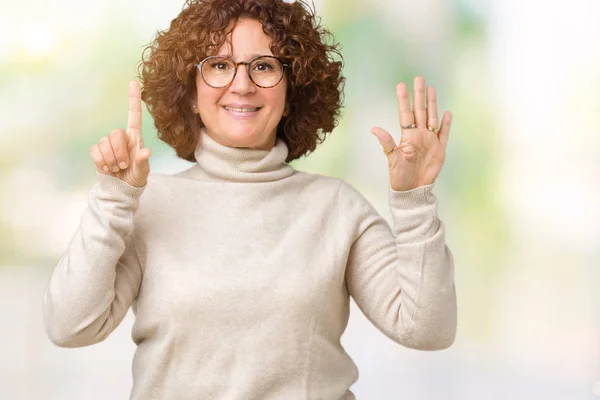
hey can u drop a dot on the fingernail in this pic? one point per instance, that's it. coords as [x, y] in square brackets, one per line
[123, 164]
[115, 169]
[105, 168]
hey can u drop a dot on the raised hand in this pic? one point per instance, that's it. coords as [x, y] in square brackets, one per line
[122, 154]
[417, 160]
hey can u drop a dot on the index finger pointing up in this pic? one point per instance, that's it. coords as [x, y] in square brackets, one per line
[134, 116]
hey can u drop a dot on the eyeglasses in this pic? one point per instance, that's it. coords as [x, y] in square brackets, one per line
[219, 71]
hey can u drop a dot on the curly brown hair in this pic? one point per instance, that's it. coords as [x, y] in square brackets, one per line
[315, 81]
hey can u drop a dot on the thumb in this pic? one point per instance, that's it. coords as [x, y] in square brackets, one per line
[385, 139]
[141, 165]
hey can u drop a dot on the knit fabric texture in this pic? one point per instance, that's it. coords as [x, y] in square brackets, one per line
[239, 271]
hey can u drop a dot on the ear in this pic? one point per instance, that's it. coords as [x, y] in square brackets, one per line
[194, 107]
[286, 109]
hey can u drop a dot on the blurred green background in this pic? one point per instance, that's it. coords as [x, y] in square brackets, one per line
[519, 193]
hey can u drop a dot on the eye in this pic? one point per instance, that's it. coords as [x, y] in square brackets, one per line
[219, 65]
[263, 66]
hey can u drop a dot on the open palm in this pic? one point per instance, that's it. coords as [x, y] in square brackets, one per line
[417, 160]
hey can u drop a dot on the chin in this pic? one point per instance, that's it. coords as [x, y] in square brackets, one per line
[247, 138]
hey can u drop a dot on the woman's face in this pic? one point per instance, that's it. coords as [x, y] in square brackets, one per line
[257, 127]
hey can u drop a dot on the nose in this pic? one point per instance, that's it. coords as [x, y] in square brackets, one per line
[241, 83]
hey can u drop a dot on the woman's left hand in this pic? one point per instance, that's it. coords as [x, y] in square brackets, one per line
[418, 159]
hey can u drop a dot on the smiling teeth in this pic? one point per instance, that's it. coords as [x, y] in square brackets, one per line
[241, 109]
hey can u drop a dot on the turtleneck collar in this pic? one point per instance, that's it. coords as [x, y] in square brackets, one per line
[216, 162]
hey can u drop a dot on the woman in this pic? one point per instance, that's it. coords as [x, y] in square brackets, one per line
[240, 269]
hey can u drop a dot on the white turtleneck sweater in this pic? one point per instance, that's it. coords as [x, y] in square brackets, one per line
[239, 271]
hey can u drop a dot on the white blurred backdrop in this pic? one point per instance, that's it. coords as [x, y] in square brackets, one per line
[519, 194]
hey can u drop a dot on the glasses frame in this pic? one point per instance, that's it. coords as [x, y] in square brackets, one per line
[247, 65]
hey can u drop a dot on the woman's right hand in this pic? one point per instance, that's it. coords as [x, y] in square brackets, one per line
[122, 154]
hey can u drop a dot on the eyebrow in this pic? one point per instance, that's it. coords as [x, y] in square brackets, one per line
[250, 57]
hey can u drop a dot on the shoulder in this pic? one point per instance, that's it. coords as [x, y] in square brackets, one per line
[159, 184]
[163, 183]
[162, 189]
[317, 181]
[315, 188]
[343, 190]
[346, 197]
[353, 204]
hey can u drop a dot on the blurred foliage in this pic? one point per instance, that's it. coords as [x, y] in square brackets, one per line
[98, 68]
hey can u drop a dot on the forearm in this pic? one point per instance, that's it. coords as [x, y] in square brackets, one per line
[85, 299]
[425, 271]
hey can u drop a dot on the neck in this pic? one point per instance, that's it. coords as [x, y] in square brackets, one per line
[217, 162]
[268, 145]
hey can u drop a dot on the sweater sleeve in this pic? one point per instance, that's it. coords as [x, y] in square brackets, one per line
[402, 278]
[98, 276]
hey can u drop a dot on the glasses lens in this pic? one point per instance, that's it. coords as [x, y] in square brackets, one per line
[266, 71]
[218, 71]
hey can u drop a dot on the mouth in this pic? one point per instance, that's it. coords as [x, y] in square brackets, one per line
[242, 109]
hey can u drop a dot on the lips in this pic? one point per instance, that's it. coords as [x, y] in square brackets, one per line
[242, 109]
